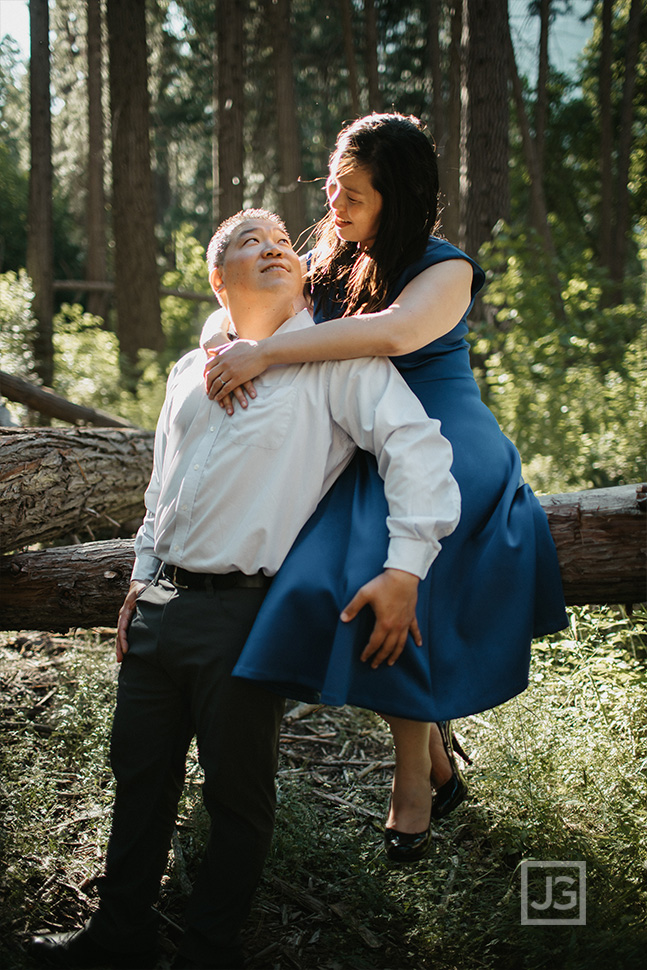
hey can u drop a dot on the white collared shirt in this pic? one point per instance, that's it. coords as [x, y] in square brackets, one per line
[232, 492]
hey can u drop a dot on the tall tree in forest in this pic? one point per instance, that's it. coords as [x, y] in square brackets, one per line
[606, 134]
[133, 210]
[96, 203]
[451, 151]
[40, 233]
[488, 194]
[539, 211]
[372, 72]
[625, 138]
[436, 108]
[349, 49]
[231, 62]
[291, 202]
[541, 100]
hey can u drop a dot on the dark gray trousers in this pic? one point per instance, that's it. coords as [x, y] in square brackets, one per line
[174, 683]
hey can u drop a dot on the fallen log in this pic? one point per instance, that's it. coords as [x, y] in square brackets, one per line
[599, 534]
[47, 402]
[70, 482]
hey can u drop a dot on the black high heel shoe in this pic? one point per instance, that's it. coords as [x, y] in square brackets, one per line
[405, 846]
[450, 795]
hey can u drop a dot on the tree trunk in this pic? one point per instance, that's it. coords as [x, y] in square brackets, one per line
[621, 226]
[605, 233]
[349, 48]
[39, 234]
[58, 483]
[372, 72]
[68, 586]
[230, 105]
[47, 403]
[538, 199]
[488, 197]
[599, 535]
[434, 67]
[96, 268]
[450, 164]
[136, 278]
[541, 100]
[601, 543]
[291, 201]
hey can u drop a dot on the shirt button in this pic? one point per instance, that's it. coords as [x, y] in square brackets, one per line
[176, 547]
[196, 467]
[212, 428]
[184, 508]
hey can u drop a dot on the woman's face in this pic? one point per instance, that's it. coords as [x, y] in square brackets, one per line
[356, 205]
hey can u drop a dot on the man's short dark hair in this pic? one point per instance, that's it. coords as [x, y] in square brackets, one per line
[222, 236]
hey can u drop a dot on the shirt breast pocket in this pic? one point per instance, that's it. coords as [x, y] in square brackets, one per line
[266, 420]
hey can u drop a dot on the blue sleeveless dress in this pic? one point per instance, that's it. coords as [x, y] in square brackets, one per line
[494, 586]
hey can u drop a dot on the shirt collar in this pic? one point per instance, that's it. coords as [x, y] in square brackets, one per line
[212, 330]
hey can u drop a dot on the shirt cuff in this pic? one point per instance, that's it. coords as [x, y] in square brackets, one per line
[145, 569]
[412, 555]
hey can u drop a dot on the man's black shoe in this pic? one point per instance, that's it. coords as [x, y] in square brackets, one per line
[78, 951]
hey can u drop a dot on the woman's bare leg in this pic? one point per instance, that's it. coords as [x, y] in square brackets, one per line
[410, 810]
[441, 768]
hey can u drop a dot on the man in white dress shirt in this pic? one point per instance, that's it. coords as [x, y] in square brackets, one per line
[227, 497]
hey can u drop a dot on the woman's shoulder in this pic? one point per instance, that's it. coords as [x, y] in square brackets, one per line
[437, 251]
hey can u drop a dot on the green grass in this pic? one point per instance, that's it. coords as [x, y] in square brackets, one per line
[559, 774]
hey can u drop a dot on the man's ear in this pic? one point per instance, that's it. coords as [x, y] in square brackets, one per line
[216, 281]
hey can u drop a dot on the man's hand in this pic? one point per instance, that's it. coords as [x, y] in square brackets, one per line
[392, 595]
[126, 615]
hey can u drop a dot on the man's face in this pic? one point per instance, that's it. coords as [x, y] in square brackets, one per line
[260, 261]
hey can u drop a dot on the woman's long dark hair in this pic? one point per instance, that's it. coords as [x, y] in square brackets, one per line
[402, 165]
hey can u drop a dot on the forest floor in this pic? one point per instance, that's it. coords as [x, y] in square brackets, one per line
[559, 775]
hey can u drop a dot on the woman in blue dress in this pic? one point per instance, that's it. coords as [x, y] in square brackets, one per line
[386, 285]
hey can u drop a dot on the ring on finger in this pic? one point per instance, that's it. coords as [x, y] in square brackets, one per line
[222, 383]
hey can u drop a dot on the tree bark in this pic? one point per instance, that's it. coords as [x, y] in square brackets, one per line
[599, 535]
[63, 482]
[46, 402]
[537, 195]
[450, 165]
[96, 268]
[541, 99]
[40, 221]
[625, 138]
[605, 233]
[230, 105]
[351, 62]
[435, 69]
[291, 204]
[488, 197]
[133, 210]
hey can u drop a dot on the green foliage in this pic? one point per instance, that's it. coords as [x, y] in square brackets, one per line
[17, 330]
[87, 369]
[571, 393]
[182, 319]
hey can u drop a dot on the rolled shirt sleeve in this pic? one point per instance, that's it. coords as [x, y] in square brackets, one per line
[371, 401]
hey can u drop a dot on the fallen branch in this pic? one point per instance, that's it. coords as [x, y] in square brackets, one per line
[600, 538]
[65, 482]
[45, 401]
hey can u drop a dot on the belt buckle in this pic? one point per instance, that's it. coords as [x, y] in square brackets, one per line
[173, 578]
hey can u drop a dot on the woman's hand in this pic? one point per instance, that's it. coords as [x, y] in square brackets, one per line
[230, 370]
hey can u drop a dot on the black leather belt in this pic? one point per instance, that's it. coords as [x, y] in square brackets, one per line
[183, 579]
